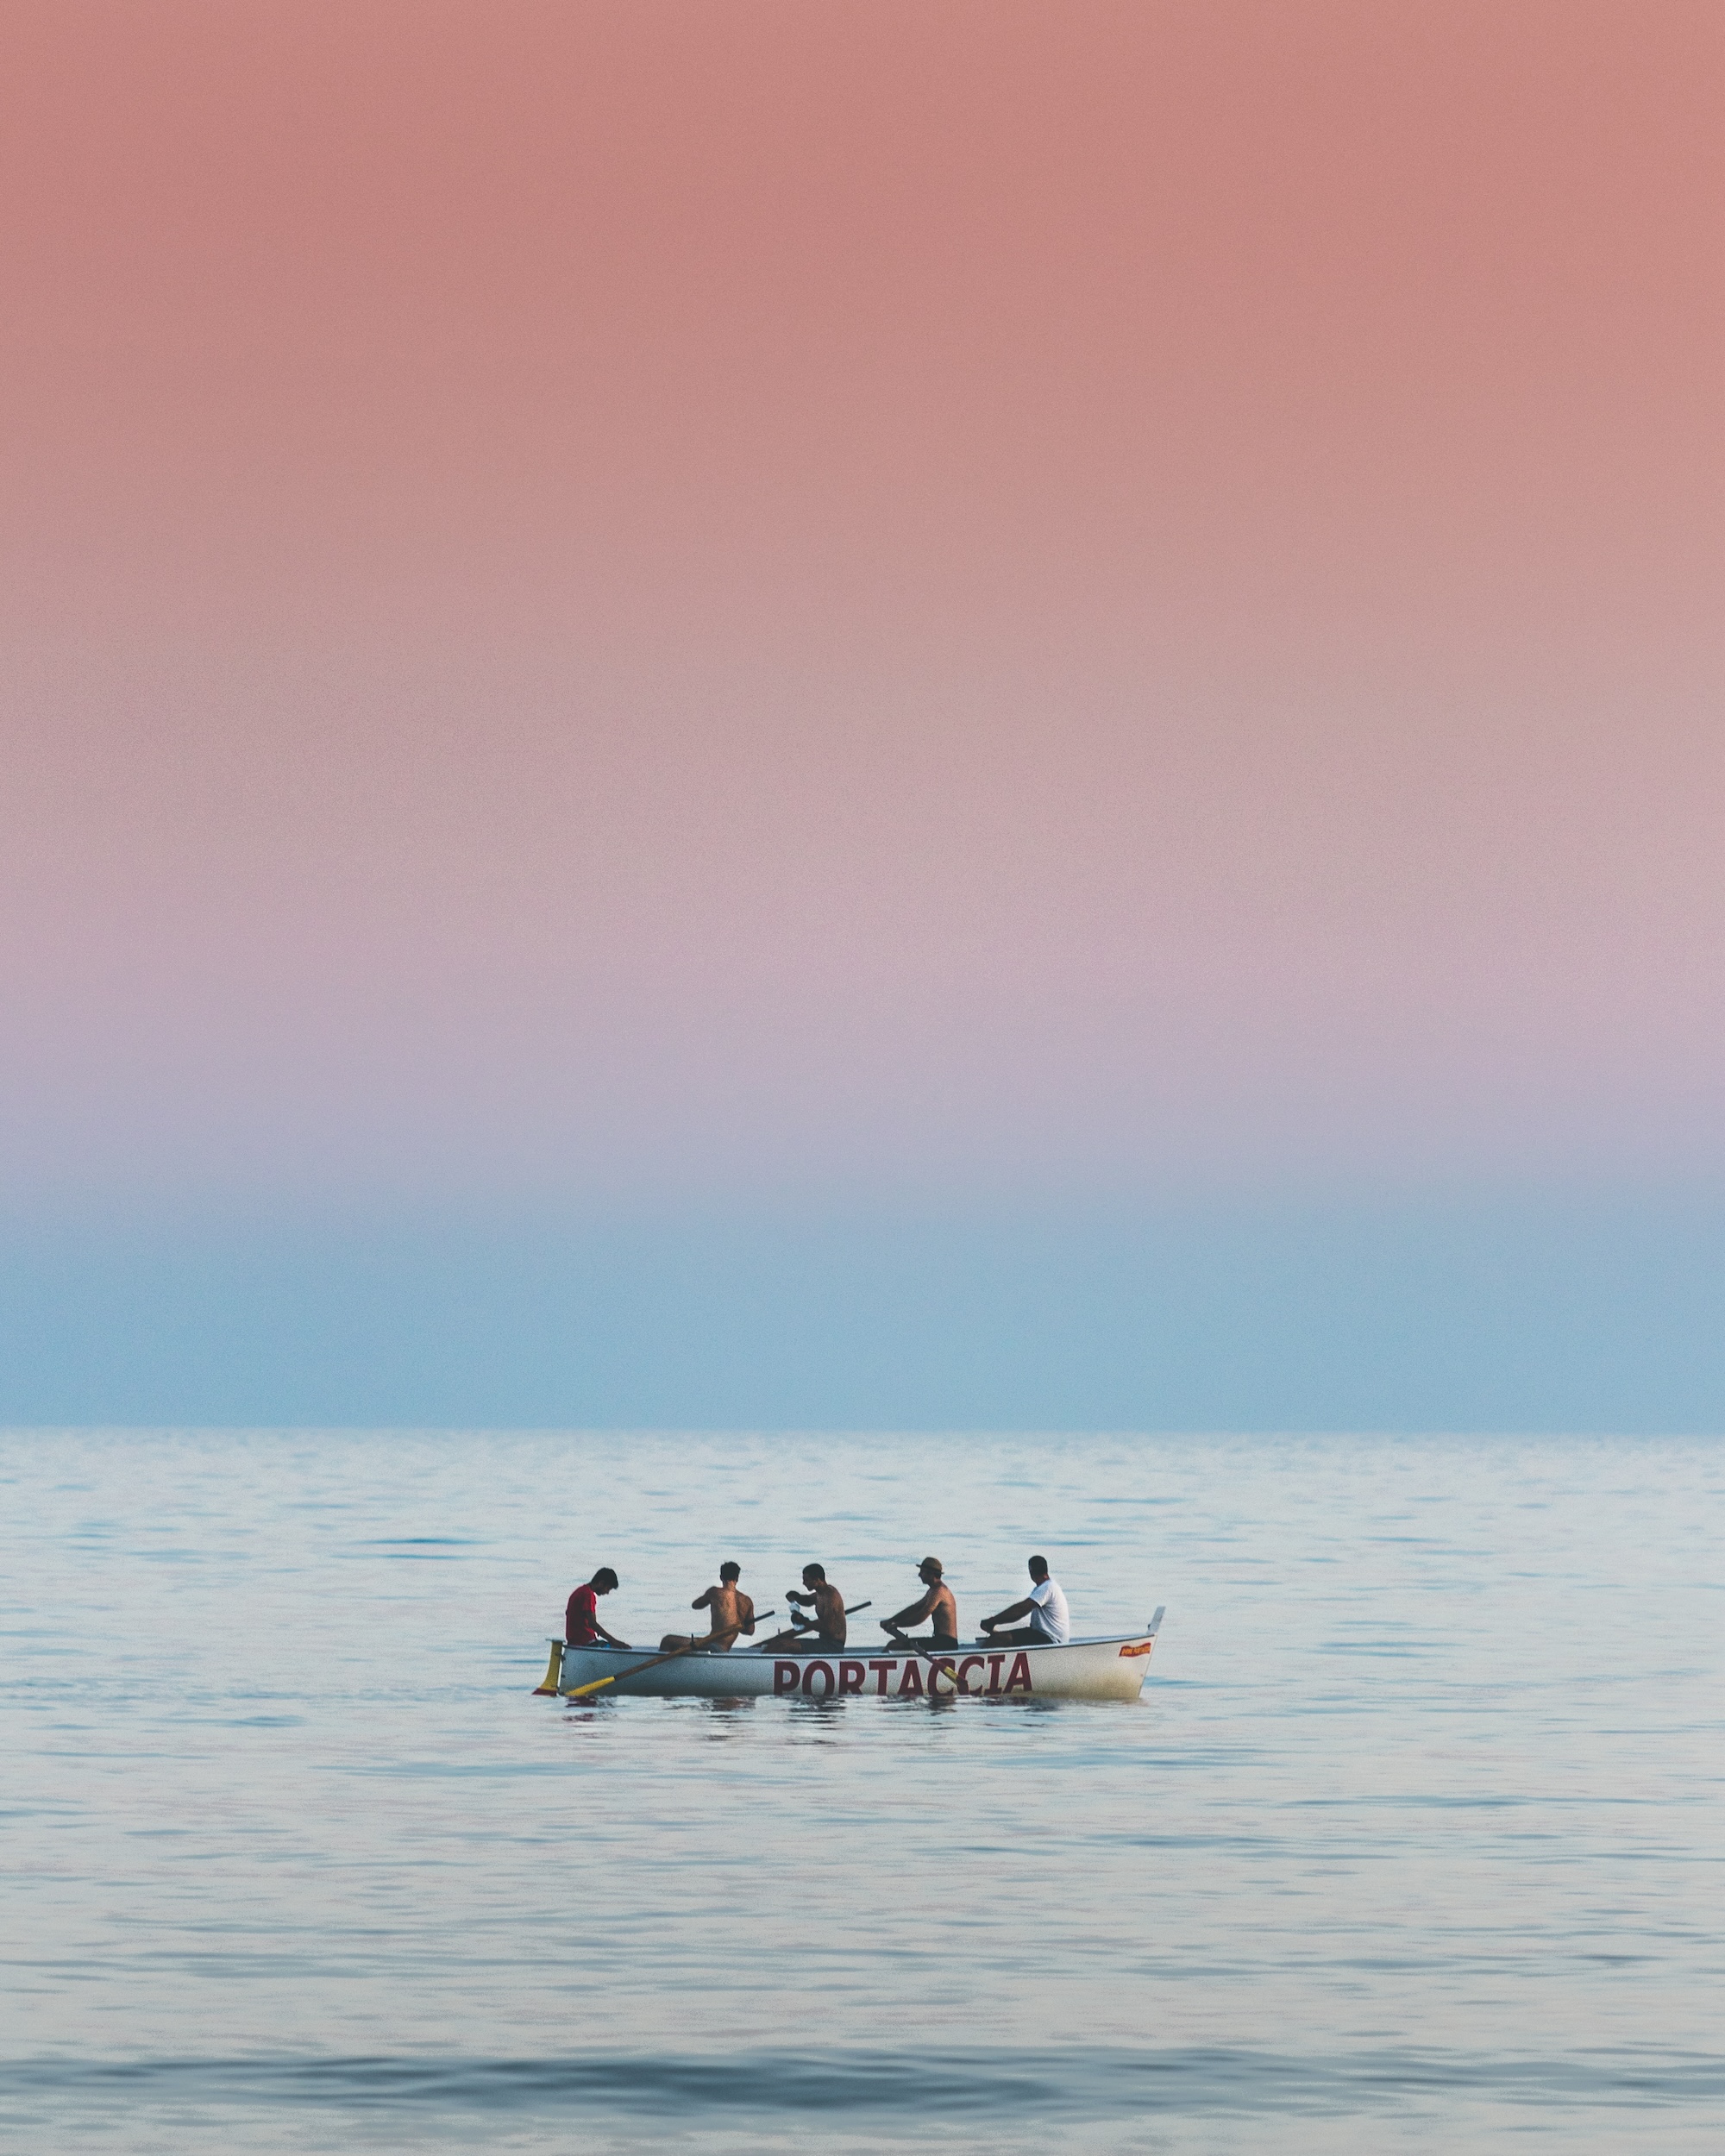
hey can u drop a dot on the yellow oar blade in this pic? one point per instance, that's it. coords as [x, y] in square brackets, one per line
[580, 1691]
[599, 1683]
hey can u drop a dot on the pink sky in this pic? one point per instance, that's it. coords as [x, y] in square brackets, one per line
[877, 597]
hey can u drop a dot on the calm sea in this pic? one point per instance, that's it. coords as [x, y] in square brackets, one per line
[1415, 1840]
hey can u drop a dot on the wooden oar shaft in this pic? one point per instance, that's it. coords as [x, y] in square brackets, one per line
[808, 1624]
[932, 1656]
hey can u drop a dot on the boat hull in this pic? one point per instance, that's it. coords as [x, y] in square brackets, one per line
[1112, 1669]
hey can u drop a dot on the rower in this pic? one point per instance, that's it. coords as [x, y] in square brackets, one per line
[1050, 1624]
[828, 1604]
[732, 1612]
[581, 1626]
[935, 1603]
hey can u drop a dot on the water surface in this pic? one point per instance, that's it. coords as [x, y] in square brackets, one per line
[1415, 1839]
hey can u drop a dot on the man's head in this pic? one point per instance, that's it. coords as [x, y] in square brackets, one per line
[814, 1576]
[603, 1581]
[731, 1571]
[929, 1571]
[1038, 1568]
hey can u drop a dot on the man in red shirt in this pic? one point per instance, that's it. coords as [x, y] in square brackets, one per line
[581, 1626]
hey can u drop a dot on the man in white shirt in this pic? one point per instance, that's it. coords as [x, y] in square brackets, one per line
[1050, 1624]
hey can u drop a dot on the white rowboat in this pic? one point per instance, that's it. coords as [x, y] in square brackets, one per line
[1112, 1668]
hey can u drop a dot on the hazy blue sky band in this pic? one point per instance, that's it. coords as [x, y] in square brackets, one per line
[1537, 1314]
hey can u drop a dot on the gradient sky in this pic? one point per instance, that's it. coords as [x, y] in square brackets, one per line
[1015, 599]
[864, 711]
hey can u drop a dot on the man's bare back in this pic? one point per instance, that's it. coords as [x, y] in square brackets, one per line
[733, 1613]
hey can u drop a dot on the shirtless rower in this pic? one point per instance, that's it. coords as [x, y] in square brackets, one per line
[936, 1604]
[828, 1635]
[732, 1612]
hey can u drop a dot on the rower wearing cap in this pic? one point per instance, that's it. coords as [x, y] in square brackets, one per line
[936, 1604]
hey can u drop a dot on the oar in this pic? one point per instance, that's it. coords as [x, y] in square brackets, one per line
[929, 1655]
[807, 1623]
[580, 1691]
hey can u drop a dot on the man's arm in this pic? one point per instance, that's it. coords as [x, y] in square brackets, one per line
[1010, 1614]
[610, 1638]
[704, 1600]
[746, 1609]
[913, 1615]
